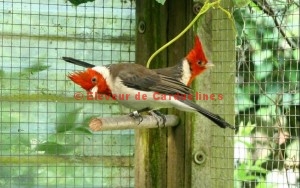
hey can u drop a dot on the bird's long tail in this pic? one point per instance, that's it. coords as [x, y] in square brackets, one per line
[213, 117]
[78, 62]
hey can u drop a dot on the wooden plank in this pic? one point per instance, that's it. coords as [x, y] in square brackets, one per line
[215, 144]
[180, 13]
[150, 145]
[224, 58]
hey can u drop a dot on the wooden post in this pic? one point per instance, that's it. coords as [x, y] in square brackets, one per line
[150, 145]
[224, 55]
[160, 159]
[180, 13]
[212, 147]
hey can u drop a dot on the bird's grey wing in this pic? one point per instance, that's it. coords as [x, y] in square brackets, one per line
[139, 77]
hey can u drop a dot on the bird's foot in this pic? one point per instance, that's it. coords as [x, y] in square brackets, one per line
[137, 116]
[160, 117]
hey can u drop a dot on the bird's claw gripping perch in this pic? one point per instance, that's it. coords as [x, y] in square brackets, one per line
[159, 117]
[136, 115]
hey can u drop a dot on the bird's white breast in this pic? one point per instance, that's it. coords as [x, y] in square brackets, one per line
[186, 72]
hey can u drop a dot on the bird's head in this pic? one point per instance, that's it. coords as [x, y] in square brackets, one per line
[90, 80]
[197, 60]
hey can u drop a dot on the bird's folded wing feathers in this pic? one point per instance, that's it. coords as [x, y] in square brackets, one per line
[141, 78]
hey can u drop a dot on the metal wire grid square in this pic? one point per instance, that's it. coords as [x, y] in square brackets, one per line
[267, 95]
[44, 141]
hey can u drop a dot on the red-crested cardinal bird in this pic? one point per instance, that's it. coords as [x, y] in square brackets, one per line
[190, 67]
[155, 90]
[185, 71]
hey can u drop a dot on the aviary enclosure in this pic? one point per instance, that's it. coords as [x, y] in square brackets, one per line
[45, 140]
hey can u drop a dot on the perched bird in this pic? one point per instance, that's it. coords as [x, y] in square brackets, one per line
[190, 67]
[155, 90]
[185, 71]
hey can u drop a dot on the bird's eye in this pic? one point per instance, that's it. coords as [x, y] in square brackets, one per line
[199, 62]
[94, 80]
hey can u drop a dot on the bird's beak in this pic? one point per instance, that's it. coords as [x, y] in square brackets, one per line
[209, 64]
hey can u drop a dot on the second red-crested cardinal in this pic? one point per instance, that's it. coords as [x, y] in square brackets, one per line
[136, 80]
[185, 71]
[190, 67]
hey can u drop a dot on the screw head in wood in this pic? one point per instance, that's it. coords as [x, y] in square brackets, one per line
[142, 27]
[199, 157]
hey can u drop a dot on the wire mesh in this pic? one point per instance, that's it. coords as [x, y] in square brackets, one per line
[44, 140]
[266, 152]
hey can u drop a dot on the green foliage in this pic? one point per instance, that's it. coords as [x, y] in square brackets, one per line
[36, 68]
[268, 68]
[54, 148]
[67, 122]
[268, 89]
[64, 140]
[247, 170]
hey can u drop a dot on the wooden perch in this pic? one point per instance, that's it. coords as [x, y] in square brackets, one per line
[127, 122]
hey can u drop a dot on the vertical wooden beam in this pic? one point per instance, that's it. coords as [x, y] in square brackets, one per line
[150, 144]
[180, 13]
[223, 48]
[163, 156]
[213, 146]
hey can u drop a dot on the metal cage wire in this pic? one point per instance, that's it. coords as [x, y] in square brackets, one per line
[44, 139]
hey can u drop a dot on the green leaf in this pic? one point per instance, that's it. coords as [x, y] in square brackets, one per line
[54, 148]
[245, 131]
[242, 100]
[267, 99]
[292, 74]
[274, 93]
[67, 122]
[84, 130]
[258, 169]
[263, 70]
[251, 89]
[267, 113]
[296, 99]
[262, 184]
[296, 54]
[287, 100]
[259, 162]
[243, 174]
[36, 68]
[260, 56]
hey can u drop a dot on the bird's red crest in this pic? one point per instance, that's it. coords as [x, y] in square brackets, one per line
[197, 53]
[197, 60]
[89, 79]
